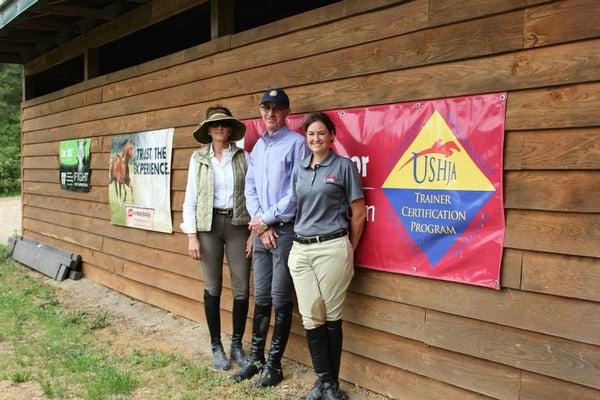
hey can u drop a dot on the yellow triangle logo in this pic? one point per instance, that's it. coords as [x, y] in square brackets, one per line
[437, 160]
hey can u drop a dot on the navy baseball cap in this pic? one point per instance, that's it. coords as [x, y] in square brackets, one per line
[277, 97]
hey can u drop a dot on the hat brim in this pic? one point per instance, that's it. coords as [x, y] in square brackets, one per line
[278, 103]
[238, 130]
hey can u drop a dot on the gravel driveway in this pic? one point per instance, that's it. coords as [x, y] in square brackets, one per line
[10, 217]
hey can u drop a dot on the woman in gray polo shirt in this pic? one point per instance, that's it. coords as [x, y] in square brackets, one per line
[215, 220]
[329, 221]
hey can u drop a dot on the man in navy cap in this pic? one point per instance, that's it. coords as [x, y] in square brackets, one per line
[270, 205]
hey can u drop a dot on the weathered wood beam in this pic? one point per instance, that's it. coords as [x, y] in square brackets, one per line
[14, 47]
[48, 25]
[33, 37]
[75, 11]
[10, 58]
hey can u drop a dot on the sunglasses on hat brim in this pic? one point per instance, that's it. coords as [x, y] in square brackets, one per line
[214, 124]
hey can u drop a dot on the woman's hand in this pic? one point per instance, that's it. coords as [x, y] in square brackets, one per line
[249, 245]
[194, 247]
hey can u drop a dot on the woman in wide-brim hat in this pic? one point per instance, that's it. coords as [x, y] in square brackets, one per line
[215, 220]
[215, 115]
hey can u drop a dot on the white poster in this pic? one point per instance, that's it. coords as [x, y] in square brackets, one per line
[139, 176]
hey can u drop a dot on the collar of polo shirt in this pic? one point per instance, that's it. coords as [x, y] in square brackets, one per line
[306, 162]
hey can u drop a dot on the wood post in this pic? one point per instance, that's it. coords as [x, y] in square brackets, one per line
[91, 63]
[28, 86]
[221, 18]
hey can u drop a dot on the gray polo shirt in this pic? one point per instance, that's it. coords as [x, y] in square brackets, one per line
[324, 194]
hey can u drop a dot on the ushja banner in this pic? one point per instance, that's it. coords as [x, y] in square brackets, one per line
[432, 176]
[140, 180]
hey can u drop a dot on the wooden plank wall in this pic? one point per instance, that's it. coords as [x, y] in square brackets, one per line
[410, 338]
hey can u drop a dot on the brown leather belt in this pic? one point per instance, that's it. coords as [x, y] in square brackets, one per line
[320, 238]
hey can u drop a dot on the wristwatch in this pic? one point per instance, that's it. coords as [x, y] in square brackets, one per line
[263, 225]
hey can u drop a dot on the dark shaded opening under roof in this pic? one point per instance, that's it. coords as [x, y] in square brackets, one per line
[252, 13]
[179, 32]
[58, 77]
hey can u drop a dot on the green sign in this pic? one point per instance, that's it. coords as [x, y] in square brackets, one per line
[74, 157]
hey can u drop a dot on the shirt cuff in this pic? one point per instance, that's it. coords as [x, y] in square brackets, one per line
[188, 228]
[268, 218]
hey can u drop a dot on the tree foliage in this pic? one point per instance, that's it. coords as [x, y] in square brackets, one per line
[10, 128]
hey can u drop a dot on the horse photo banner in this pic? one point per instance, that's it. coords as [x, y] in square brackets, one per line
[432, 176]
[139, 173]
[74, 170]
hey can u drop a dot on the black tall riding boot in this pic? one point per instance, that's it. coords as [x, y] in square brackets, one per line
[213, 319]
[260, 327]
[272, 373]
[336, 338]
[318, 346]
[240, 313]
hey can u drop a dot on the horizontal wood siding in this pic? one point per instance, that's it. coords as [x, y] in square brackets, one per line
[406, 337]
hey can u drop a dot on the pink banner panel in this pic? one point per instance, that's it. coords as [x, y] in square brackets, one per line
[432, 177]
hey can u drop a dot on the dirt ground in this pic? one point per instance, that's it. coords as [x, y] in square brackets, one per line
[142, 326]
[10, 217]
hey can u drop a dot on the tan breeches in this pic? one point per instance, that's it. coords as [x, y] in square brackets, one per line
[322, 273]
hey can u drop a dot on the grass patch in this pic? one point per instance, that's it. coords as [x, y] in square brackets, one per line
[109, 382]
[3, 253]
[157, 359]
[65, 353]
[20, 376]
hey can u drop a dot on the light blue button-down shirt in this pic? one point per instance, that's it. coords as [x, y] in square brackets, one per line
[269, 178]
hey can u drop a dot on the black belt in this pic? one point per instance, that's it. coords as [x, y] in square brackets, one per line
[228, 212]
[319, 238]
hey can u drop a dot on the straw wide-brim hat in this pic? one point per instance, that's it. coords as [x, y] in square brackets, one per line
[238, 129]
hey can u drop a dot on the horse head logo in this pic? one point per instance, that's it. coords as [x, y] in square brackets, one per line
[81, 155]
[446, 149]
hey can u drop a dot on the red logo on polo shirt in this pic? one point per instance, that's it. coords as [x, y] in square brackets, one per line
[329, 179]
